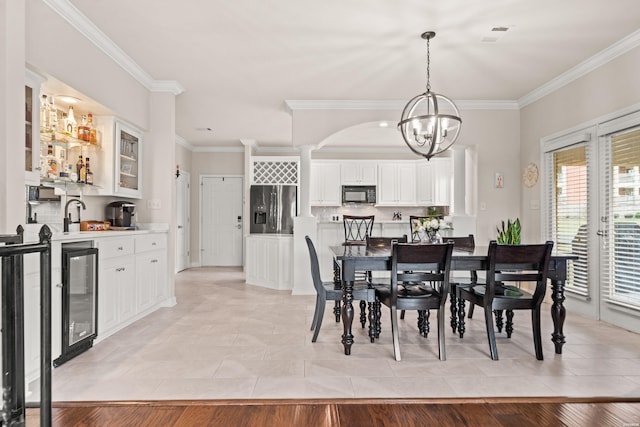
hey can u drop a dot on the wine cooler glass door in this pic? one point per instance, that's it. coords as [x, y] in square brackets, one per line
[79, 302]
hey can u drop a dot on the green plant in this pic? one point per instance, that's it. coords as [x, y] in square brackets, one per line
[509, 234]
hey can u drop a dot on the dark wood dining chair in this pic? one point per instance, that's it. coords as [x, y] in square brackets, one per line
[332, 291]
[357, 228]
[381, 242]
[511, 263]
[465, 244]
[412, 263]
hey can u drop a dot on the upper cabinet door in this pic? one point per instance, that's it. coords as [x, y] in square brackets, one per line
[32, 127]
[435, 181]
[359, 173]
[325, 184]
[128, 165]
[397, 184]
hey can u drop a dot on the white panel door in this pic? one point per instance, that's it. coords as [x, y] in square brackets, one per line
[182, 216]
[221, 213]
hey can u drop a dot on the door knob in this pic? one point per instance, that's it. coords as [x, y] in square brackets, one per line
[179, 227]
[238, 226]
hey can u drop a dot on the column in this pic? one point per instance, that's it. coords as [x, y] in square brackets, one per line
[305, 180]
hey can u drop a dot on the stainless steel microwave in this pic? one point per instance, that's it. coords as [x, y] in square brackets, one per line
[359, 194]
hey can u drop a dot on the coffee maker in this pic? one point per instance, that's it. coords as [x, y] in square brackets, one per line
[119, 214]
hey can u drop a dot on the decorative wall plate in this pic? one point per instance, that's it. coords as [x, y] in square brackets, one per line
[530, 175]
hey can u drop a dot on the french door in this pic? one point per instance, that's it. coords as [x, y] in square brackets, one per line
[593, 211]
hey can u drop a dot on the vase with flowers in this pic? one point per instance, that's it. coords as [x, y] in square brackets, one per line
[427, 229]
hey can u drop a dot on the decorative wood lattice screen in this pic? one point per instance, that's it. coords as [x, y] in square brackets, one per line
[270, 172]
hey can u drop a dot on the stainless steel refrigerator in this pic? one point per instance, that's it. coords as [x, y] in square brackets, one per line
[273, 208]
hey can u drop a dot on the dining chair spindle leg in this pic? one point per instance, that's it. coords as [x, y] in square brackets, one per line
[509, 326]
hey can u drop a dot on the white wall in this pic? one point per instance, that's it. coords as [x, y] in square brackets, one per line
[612, 87]
[208, 163]
[54, 47]
[12, 108]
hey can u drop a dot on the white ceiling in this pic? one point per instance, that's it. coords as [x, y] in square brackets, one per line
[239, 60]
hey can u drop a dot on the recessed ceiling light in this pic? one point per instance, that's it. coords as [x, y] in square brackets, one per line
[68, 99]
[383, 124]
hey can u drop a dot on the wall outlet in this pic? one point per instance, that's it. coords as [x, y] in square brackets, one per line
[153, 204]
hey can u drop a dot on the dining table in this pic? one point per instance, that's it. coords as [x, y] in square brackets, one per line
[378, 258]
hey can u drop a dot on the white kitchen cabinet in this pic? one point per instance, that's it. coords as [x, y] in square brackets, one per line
[32, 127]
[151, 272]
[116, 284]
[358, 173]
[118, 171]
[397, 184]
[434, 182]
[325, 184]
[268, 261]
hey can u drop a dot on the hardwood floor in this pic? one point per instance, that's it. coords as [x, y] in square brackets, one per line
[520, 412]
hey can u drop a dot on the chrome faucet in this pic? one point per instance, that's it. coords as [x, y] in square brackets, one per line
[67, 216]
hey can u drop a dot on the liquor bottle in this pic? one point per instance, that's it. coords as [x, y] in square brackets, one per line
[53, 115]
[71, 125]
[93, 133]
[83, 129]
[44, 114]
[89, 173]
[52, 164]
[80, 170]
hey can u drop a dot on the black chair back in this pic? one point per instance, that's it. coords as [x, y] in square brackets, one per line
[357, 228]
[518, 263]
[315, 267]
[466, 244]
[415, 263]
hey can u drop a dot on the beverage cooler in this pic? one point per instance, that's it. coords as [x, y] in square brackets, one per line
[79, 299]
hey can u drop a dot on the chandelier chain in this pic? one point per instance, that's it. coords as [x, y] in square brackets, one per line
[428, 65]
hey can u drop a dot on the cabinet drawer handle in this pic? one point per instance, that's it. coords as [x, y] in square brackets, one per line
[120, 248]
[154, 260]
[120, 269]
[153, 243]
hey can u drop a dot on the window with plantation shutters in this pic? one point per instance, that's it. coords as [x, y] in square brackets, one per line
[620, 262]
[567, 202]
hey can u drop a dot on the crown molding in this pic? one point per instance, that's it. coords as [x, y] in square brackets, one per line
[181, 141]
[89, 30]
[220, 149]
[170, 86]
[599, 59]
[295, 105]
[364, 150]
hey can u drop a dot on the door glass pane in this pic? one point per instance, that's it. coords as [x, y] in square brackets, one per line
[570, 224]
[624, 236]
[82, 297]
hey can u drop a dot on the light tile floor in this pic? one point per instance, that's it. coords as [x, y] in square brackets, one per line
[226, 340]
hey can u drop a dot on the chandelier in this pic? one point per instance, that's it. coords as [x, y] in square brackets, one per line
[430, 122]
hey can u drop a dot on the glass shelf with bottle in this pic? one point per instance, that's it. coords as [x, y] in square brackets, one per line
[59, 126]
